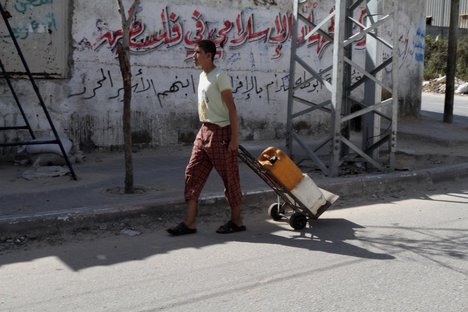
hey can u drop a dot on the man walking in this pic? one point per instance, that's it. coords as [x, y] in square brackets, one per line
[215, 145]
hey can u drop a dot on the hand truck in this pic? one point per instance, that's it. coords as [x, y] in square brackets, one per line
[288, 205]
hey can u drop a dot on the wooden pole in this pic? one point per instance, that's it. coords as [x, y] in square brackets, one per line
[451, 62]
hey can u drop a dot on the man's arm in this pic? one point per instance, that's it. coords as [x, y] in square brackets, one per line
[229, 100]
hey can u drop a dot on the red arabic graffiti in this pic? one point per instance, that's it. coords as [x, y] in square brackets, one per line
[363, 14]
[242, 31]
[219, 37]
[317, 38]
[323, 41]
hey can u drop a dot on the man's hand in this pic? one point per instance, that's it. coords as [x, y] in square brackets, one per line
[233, 145]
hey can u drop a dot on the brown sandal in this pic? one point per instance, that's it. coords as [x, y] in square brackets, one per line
[230, 227]
[181, 229]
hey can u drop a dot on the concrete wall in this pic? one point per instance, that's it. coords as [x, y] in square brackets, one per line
[255, 36]
[42, 29]
[412, 31]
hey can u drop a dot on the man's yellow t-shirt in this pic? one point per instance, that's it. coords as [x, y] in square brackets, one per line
[211, 106]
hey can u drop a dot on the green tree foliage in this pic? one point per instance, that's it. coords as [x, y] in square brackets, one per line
[435, 58]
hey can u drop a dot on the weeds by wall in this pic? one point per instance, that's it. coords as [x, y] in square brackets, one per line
[435, 58]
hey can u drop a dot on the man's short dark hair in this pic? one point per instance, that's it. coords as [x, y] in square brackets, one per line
[208, 46]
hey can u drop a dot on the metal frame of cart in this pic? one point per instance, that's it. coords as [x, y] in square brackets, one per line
[277, 211]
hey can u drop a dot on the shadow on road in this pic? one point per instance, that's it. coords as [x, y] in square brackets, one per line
[91, 248]
[326, 235]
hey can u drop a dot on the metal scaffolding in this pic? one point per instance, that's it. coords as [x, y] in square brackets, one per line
[350, 102]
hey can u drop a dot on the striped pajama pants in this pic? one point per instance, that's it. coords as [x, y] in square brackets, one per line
[210, 149]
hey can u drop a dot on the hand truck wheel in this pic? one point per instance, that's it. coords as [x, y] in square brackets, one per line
[276, 211]
[298, 221]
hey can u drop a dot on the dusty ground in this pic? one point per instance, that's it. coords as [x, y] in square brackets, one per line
[413, 153]
[428, 155]
[148, 224]
[438, 85]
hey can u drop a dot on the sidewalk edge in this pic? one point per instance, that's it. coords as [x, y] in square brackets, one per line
[347, 186]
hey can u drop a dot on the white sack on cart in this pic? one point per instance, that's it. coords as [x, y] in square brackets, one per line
[309, 194]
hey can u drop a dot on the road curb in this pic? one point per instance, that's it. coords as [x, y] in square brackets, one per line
[56, 221]
[52, 222]
[349, 186]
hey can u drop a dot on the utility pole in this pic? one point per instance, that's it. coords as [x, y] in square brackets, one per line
[451, 62]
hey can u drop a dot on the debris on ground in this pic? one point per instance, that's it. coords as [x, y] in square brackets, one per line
[9, 242]
[437, 85]
[130, 232]
[41, 172]
[46, 160]
[462, 89]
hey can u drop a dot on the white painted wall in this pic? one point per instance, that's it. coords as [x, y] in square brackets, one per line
[257, 38]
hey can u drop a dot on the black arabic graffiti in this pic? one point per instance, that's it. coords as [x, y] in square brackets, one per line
[244, 87]
[106, 81]
[265, 2]
[175, 87]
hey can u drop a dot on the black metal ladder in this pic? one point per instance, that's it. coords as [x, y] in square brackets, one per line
[27, 126]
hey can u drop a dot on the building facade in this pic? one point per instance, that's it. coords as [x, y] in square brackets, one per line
[71, 47]
[438, 13]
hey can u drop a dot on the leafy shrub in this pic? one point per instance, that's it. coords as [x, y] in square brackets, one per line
[435, 58]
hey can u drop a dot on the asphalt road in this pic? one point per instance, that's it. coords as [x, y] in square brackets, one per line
[433, 104]
[397, 252]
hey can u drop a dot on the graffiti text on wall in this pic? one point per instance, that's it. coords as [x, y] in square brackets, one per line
[173, 34]
[23, 5]
[244, 87]
[141, 84]
[37, 23]
[42, 24]
[419, 45]
[231, 35]
[323, 41]
[265, 2]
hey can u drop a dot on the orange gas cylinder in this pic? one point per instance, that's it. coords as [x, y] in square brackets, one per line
[281, 166]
